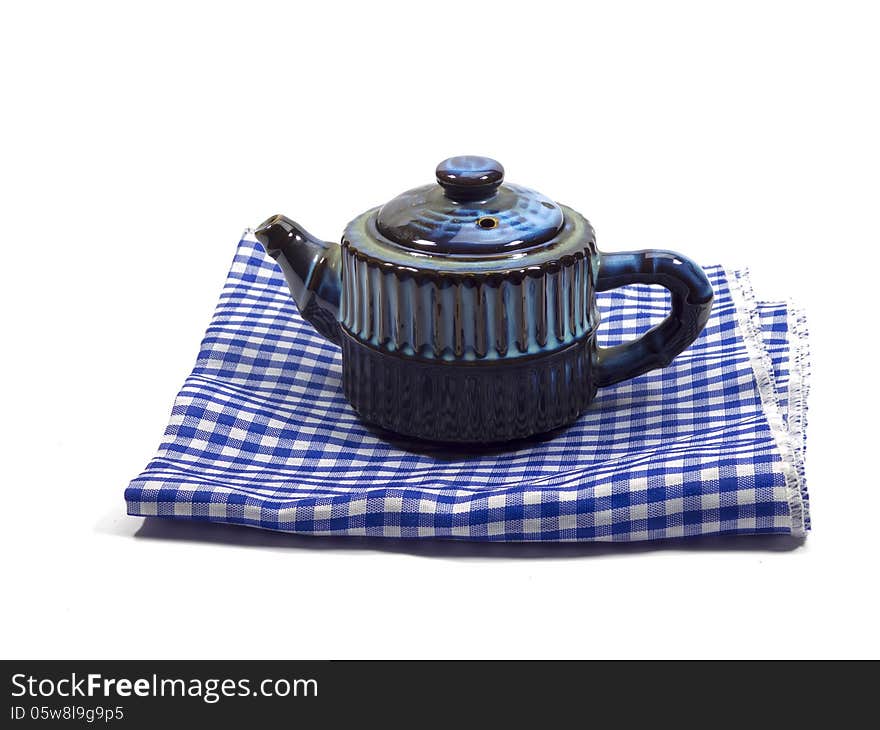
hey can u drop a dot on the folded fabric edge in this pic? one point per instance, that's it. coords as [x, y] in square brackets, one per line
[749, 323]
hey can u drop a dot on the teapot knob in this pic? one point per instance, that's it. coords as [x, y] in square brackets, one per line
[470, 177]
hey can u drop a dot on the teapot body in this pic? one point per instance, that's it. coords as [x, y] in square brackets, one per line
[473, 349]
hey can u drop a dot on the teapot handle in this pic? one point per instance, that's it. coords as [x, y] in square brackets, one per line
[691, 303]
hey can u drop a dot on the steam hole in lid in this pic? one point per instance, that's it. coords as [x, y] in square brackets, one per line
[487, 222]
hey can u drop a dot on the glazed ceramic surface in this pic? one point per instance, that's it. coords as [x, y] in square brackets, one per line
[466, 311]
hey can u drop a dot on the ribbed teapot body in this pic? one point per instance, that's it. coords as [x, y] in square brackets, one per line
[468, 347]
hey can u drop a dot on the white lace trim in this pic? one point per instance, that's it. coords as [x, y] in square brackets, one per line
[789, 447]
[798, 391]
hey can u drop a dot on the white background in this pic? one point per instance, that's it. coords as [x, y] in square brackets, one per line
[136, 144]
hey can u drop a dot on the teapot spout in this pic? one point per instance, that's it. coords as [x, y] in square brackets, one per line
[312, 268]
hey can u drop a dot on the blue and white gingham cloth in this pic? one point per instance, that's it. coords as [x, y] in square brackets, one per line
[261, 435]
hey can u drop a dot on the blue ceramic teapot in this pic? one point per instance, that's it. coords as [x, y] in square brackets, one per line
[466, 309]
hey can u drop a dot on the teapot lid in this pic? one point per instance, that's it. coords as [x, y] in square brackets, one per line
[470, 211]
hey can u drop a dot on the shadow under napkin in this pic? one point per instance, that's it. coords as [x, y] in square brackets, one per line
[236, 535]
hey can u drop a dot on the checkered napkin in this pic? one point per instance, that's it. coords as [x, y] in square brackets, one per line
[261, 435]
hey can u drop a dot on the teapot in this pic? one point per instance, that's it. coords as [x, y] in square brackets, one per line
[466, 309]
